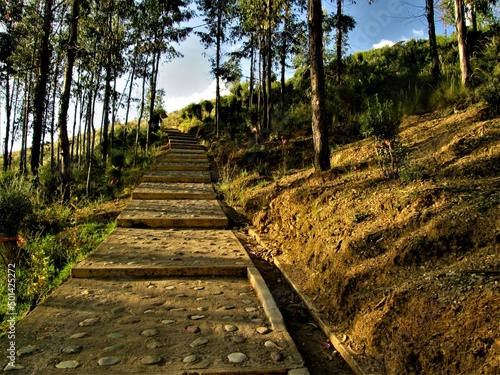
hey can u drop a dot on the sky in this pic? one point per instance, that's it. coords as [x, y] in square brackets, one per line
[385, 22]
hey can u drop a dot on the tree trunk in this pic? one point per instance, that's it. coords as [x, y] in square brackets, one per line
[26, 111]
[128, 102]
[264, 83]
[52, 120]
[81, 137]
[113, 117]
[14, 129]
[284, 48]
[269, 66]
[319, 124]
[217, 70]
[462, 42]
[74, 144]
[252, 71]
[261, 80]
[139, 121]
[41, 88]
[152, 95]
[8, 107]
[436, 70]
[65, 98]
[338, 42]
[106, 109]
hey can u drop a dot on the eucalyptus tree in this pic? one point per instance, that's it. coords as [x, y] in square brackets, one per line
[23, 62]
[480, 12]
[218, 16]
[162, 25]
[291, 37]
[429, 12]
[10, 16]
[457, 11]
[65, 98]
[41, 86]
[104, 31]
[260, 20]
[343, 24]
[250, 30]
[463, 50]
[319, 121]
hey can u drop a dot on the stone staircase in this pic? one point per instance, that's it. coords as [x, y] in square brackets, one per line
[171, 291]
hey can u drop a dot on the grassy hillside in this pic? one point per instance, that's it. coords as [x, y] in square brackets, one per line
[408, 269]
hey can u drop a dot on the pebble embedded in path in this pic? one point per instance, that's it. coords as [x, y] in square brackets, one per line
[236, 357]
[109, 361]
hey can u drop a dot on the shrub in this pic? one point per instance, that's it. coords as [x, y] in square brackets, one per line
[380, 120]
[490, 93]
[49, 183]
[15, 203]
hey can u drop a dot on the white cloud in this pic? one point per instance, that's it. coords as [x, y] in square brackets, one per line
[418, 33]
[174, 103]
[383, 43]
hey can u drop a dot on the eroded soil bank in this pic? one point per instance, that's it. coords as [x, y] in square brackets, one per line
[409, 269]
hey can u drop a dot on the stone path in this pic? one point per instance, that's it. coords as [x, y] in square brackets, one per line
[171, 291]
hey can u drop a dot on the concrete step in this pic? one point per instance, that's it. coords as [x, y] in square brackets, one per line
[176, 176]
[183, 138]
[139, 325]
[155, 213]
[180, 166]
[179, 154]
[166, 252]
[175, 190]
[187, 146]
[163, 159]
[185, 151]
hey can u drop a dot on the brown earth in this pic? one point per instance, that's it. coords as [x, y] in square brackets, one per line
[406, 270]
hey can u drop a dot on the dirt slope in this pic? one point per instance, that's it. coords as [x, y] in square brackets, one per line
[407, 269]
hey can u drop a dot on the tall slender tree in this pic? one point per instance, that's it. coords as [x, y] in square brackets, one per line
[319, 121]
[463, 50]
[217, 16]
[65, 98]
[161, 27]
[41, 87]
[10, 14]
[436, 68]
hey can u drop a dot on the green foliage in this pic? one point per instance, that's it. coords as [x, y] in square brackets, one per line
[489, 69]
[193, 110]
[411, 172]
[16, 203]
[491, 94]
[392, 158]
[49, 184]
[449, 93]
[380, 120]
[50, 218]
[45, 260]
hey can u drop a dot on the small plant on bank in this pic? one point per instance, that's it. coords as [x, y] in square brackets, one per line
[381, 121]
